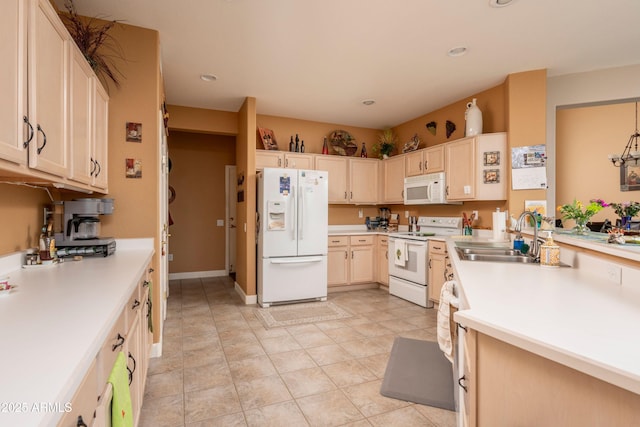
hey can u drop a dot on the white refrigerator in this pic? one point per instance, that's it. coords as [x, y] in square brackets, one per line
[292, 235]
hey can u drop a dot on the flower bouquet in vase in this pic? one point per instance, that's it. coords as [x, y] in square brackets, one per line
[626, 211]
[581, 213]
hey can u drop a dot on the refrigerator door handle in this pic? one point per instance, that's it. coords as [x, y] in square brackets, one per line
[293, 214]
[300, 213]
[295, 260]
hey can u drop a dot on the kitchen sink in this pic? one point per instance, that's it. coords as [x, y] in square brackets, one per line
[493, 254]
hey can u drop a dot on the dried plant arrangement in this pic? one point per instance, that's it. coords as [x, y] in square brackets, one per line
[96, 44]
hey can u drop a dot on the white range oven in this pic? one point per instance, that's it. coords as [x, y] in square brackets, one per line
[408, 257]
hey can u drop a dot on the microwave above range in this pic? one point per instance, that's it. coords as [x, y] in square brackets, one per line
[426, 189]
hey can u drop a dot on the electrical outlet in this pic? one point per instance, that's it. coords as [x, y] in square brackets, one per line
[360, 213]
[475, 214]
[406, 214]
[614, 274]
[220, 222]
[170, 257]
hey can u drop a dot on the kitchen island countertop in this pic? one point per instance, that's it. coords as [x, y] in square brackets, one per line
[54, 324]
[584, 317]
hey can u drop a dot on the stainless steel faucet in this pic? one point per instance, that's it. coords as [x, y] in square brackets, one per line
[535, 243]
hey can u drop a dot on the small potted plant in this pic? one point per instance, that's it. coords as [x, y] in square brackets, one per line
[387, 141]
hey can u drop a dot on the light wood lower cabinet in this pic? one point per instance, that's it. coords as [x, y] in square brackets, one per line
[338, 261]
[383, 260]
[508, 386]
[350, 261]
[129, 334]
[439, 268]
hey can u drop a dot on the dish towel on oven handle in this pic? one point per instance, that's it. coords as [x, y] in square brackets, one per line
[445, 340]
[400, 254]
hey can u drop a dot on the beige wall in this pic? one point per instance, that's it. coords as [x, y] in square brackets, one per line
[198, 178]
[584, 138]
[491, 102]
[526, 98]
[312, 133]
[246, 209]
[202, 120]
[21, 217]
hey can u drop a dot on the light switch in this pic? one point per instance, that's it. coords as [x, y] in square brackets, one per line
[220, 223]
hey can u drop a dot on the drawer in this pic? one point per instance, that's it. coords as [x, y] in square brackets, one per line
[383, 240]
[133, 307]
[360, 240]
[113, 344]
[437, 247]
[85, 400]
[338, 241]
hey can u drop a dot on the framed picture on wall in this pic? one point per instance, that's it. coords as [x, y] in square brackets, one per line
[134, 132]
[630, 177]
[268, 139]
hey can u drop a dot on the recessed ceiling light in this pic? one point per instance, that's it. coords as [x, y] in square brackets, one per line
[369, 101]
[500, 3]
[208, 77]
[457, 51]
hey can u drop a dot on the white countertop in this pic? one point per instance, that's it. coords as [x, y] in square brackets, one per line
[54, 324]
[576, 316]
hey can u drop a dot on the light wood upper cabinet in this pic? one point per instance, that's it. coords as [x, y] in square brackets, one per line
[461, 169]
[434, 159]
[427, 160]
[475, 168]
[81, 109]
[48, 75]
[100, 148]
[338, 168]
[393, 173]
[363, 181]
[283, 159]
[13, 80]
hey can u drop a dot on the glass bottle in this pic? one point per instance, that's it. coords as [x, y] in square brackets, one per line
[302, 146]
[297, 143]
[363, 152]
[291, 144]
[325, 147]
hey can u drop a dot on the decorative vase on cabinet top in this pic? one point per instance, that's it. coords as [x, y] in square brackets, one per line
[473, 119]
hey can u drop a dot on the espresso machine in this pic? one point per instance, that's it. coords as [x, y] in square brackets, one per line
[81, 228]
[385, 214]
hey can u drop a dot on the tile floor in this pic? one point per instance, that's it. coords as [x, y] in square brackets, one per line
[221, 367]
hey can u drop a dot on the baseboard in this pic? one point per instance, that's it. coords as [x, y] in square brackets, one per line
[247, 299]
[198, 274]
[156, 349]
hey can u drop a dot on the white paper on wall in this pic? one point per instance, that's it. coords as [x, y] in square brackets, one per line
[528, 167]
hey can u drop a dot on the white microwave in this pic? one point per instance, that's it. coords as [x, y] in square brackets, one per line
[425, 189]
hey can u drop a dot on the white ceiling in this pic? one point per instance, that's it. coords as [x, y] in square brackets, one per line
[317, 60]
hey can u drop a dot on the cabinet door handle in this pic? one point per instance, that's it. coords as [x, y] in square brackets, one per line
[429, 263]
[44, 139]
[460, 381]
[25, 144]
[425, 165]
[286, 163]
[346, 255]
[80, 422]
[386, 254]
[99, 168]
[420, 166]
[362, 240]
[120, 342]
[345, 195]
[351, 254]
[437, 248]
[446, 191]
[351, 193]
[131, 371]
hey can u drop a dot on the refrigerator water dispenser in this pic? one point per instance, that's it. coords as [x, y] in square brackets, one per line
[276, 216]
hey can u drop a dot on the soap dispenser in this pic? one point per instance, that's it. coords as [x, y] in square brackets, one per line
[549, 252]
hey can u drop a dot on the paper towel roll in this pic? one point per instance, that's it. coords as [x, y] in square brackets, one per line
[499, 226]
